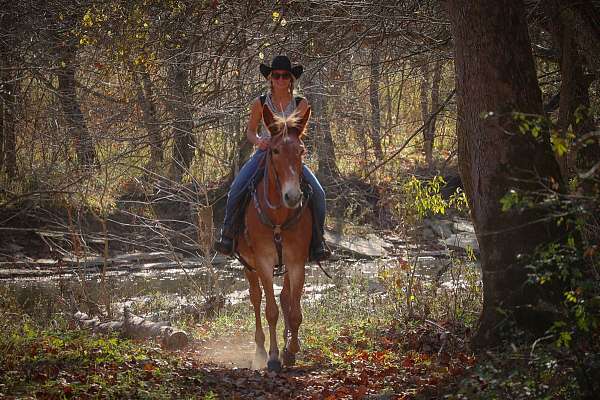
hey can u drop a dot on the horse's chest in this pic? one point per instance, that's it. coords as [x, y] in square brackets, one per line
[263, 241]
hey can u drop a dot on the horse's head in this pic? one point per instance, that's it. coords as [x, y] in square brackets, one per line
[286, 152]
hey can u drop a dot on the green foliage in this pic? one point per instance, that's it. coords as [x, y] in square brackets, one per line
[426, 199]
[515, 200]
[518, 374]
[541, 128]
[567, 269]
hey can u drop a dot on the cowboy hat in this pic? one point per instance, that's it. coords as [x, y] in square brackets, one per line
[281, 63]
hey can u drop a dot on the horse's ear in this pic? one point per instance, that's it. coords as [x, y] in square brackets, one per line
[269, 119]
[303, 121]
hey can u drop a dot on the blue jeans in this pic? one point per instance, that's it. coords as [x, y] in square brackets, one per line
[242, 180]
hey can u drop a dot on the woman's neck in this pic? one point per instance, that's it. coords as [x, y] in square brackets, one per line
[281, 96]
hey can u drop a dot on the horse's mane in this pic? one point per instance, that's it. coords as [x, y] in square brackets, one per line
[292, 120]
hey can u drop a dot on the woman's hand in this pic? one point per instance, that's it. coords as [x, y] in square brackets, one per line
[263, 143]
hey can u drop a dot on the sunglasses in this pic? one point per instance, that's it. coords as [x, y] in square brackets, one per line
[277, 75]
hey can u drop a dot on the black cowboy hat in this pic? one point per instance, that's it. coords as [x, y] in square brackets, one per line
[283, 63]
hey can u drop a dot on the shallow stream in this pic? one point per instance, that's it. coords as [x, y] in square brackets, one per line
[165, 292]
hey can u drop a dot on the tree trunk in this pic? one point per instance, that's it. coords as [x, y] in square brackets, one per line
[2, 111]
[355, 115]
[425, 112]
[374, 99]
[147, 102]
[184, 143]
[243, 148]
[8, 95]
[429, 85]
[574, 88]
[583, 17]
[435, 104]
[495, 73]
[327, 170]
[8, 109]
[84, 144]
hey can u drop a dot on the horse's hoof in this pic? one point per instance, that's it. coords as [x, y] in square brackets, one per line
[274, 365]
[289, 359]
[260, 359]
[258, 363]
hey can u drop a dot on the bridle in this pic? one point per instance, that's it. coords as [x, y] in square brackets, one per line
[268, 160]
[279, 268]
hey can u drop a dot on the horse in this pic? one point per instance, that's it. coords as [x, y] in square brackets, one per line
[278, 227]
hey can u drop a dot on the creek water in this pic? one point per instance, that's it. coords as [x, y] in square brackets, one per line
[161, 293]
[172, 287]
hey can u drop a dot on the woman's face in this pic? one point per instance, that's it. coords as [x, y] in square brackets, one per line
[280, 79]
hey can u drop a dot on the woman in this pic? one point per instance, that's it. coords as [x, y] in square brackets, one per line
[281, 77]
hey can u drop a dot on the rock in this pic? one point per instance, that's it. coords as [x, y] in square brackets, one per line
[463, 226]
[427, 233]
[442, 228]
[368, 246]
[375, 286]
[464, 241]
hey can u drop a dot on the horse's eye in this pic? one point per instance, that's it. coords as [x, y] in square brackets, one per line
[275, 151]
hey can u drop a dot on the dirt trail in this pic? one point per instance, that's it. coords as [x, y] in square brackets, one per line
[229, 352]
[226, 364]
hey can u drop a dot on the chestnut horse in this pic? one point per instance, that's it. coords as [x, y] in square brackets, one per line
[278, 212]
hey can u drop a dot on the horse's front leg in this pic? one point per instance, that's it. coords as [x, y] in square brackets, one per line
[260, 354]
[292, 346]
[284, 299]
[272, 314]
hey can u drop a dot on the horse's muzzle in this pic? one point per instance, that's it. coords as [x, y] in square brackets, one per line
[292, 198]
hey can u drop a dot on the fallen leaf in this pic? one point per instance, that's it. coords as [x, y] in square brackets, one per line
[149, 367]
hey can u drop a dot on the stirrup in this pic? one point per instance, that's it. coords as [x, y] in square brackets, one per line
[224, 245]
[320, 253]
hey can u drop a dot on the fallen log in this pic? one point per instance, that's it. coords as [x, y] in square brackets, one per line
[134, 327]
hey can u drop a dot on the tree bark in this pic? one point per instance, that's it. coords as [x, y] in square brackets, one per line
[84, 144]
[355, 113]
[135, 327]
[374, 81]
[184, 143]
[424, 90]
[327, 170]
[243, 148]
[147, 102]
[429, 85]
[8, 93]
[583, 17]
[435, 105]
[8, 109]
[574, 88]
[495, 72]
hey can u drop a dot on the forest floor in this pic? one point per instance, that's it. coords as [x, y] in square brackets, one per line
[398, 335]
[355, 346]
